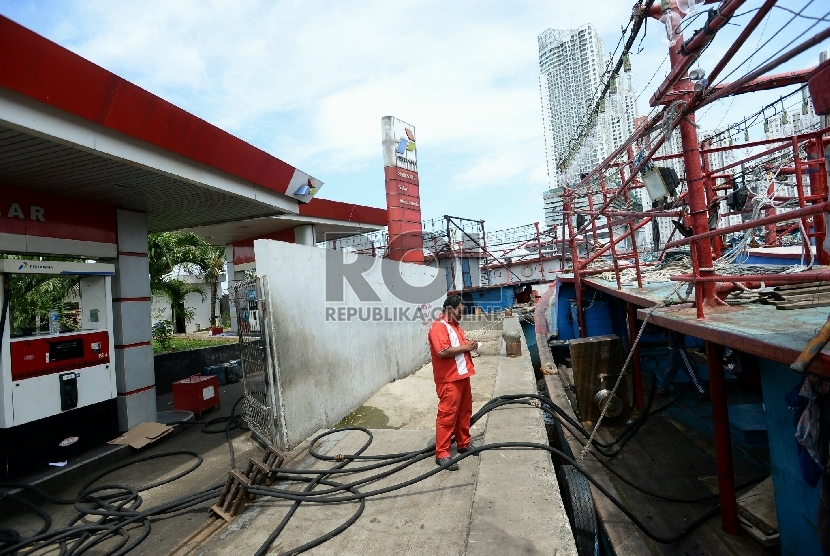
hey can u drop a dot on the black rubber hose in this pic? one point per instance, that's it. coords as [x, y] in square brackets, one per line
[110, 511]
[304, 496]
[334, 532]
[120, 509]
[276, 533]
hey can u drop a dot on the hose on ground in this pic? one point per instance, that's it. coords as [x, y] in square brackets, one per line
[118, 513]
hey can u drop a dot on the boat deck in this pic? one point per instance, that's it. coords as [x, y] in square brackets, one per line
[754, 328]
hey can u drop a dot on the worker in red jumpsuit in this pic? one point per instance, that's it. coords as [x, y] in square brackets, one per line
[452, 367]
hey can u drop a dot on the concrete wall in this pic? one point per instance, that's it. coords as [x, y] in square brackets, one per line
[328, 368]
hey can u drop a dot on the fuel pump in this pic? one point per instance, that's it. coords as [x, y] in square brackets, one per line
[56, 386]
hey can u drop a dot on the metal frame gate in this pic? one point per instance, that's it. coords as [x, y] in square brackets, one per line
[262, 408]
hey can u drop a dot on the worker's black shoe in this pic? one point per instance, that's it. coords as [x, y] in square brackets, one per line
[467, 448]
[444, 461]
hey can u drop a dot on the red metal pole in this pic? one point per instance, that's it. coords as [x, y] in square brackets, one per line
[591, 208]
[772, 237]
[636, 255]
[564, 237]
[709, 183]
[702, 252]
[750, 27]
[580, 315]
[653, 213]
[723, 440]
[614, 259]
[637, 372]
[799, 189]
[794, 278]
[818, 188]
[802, 137]
[539, 245]
[791, 215]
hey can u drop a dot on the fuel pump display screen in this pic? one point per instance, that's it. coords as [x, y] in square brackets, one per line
[67, 349]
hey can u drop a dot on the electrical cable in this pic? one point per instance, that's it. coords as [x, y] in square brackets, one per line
[116, 510]
[306, 496]
[769, 41]
[120, 509]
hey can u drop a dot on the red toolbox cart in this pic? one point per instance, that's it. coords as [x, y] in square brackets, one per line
[196, 393]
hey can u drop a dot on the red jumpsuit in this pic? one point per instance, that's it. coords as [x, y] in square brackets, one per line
[452, 384]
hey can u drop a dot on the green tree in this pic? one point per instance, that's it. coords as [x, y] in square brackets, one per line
[32, 296]
[213, 267]
[169, 251]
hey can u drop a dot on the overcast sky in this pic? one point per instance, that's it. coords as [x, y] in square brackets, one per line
[308, 81]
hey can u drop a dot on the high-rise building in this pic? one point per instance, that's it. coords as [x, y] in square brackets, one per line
[572, 66]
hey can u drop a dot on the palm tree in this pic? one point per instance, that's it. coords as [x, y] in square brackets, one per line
[213, 266]
[169, 251]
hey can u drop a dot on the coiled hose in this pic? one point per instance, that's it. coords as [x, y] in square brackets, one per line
[117, 507]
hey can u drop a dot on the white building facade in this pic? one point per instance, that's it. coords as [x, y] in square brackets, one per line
[572, 65]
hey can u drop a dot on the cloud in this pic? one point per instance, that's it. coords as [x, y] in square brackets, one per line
[309, 81]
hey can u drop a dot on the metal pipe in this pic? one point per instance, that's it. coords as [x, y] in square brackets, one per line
[771, 236]
[580, 314]
[709, 186]
[799, 189]
[699, 213]
[637, 372]
[787, 56]
[793, 214]
[753, 157]
[636, 255]
[601, 251]
[739, 42]
[652, 214]
[818, 188]
[541, 260]
[591, 208]
[723, 439]
[801, 137]
[794, 278]
[691, 47]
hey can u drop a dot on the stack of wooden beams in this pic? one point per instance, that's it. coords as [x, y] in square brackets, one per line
[799, 296]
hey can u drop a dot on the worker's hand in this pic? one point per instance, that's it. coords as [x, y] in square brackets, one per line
[471, 346]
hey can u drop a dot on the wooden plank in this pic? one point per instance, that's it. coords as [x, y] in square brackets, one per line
[591, 360]
[801, 304]
[801, 295]
[800, 286]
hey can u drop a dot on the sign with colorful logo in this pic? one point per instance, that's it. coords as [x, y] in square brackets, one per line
[399, 147]
[403, 200]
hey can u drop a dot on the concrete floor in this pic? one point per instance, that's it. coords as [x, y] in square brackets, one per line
[503, 502]
[167, 532]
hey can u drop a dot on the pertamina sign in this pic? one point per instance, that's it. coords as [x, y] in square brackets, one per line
[403, 199]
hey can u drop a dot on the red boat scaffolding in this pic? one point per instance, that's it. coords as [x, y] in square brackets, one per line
[680, 100]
